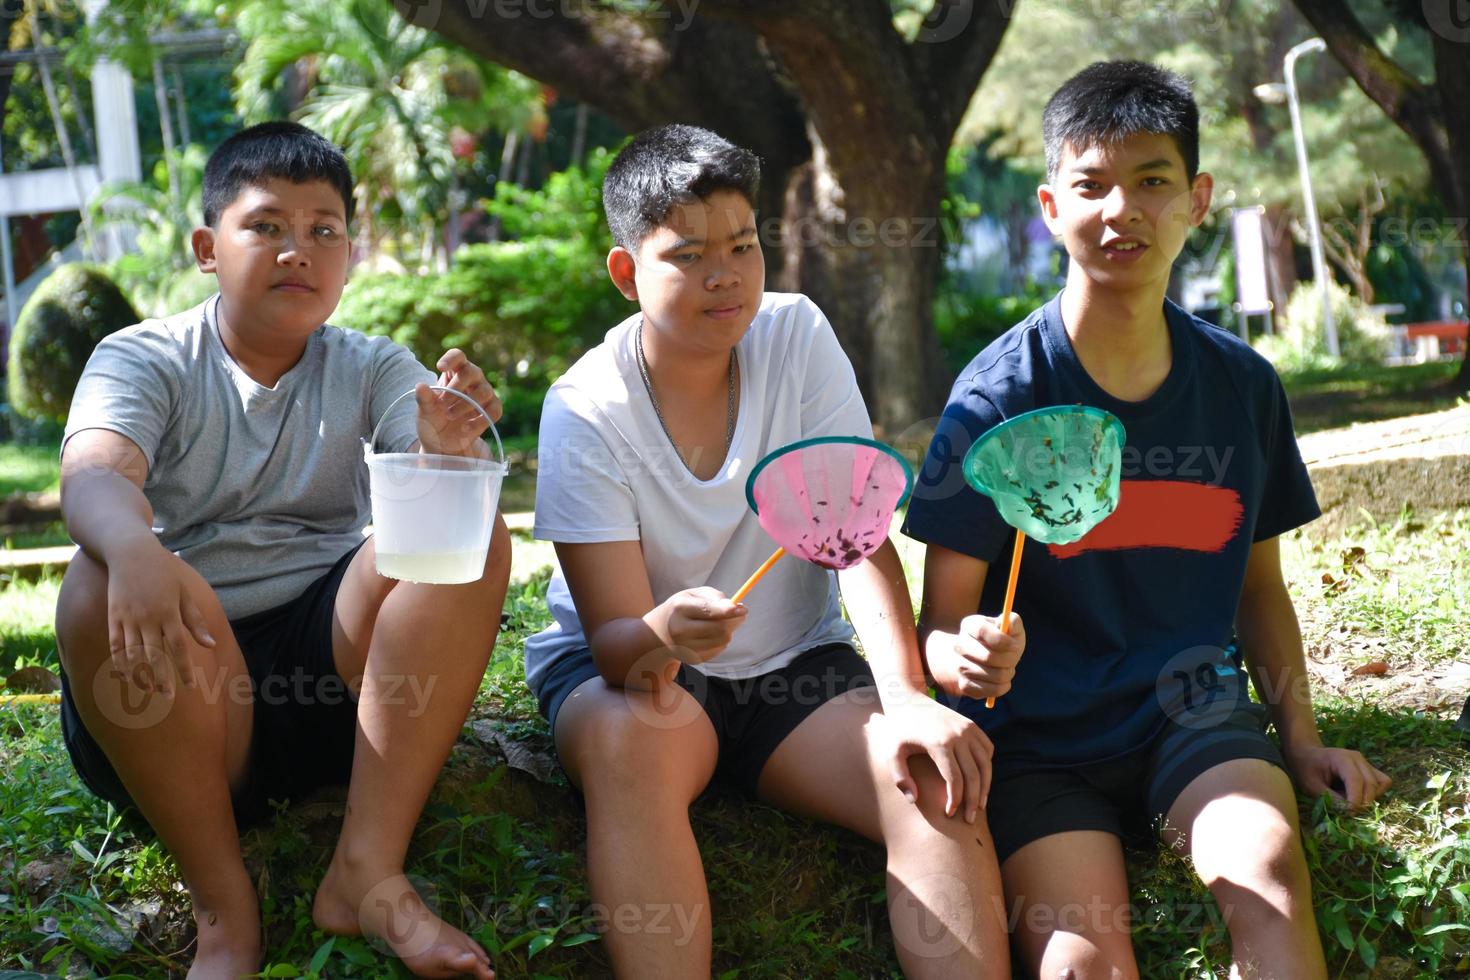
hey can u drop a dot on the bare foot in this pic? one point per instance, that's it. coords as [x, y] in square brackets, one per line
[386, 906]
[229, 944]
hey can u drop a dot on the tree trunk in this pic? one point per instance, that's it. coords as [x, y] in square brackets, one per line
[181, 101]
[166, 127]
[1452, 77]
[851, 122]
[579, 135]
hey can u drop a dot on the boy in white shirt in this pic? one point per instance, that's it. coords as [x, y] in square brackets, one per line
[653, 680]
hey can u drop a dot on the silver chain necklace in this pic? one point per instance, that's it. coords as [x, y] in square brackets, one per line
[648, 386]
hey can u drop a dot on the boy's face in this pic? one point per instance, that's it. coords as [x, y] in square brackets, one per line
[1124, 209]
[280, 252]
[699, 276]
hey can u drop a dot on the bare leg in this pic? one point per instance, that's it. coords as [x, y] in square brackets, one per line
[944, 893]
[640, 768]
[1264, 890]
[179, 760]
[420, 652]
[1069, 895]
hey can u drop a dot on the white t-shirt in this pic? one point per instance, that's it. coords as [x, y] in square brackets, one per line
[608, 472]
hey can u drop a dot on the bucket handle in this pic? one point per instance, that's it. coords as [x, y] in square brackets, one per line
[368, 446]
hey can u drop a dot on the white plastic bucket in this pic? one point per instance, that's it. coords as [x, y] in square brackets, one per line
[432, 514]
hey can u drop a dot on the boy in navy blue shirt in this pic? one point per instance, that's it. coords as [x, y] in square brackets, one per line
[1129, 710]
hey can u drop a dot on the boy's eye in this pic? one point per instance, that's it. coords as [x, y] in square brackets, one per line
[743, 247]
[325, 231]
[1087, 185]
[1155, 181]
[686, 258]
[264, 227]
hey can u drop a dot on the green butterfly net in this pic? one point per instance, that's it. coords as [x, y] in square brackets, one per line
[1054, 474]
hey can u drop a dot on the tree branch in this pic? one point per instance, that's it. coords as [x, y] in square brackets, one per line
[1413, 106]
[955, 46]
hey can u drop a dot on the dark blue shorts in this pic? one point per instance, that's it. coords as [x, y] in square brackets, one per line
[1128, 796]
[751, 716]
[305, 720]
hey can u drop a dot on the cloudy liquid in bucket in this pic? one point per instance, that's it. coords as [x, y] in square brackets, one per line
[432, 567]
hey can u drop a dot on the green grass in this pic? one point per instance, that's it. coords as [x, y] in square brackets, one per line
[27, 617]
[25, 469]
[503, 853]
[1405, 582]
[1327, 398]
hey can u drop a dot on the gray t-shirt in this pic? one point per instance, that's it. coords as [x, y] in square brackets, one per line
[261, 490]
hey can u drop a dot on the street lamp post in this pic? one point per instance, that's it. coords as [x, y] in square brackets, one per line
[1275, 92]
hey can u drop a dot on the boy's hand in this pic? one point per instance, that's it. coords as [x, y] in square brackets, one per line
[447, 424]
[979, 660]
[1351, 779]
[700, 623]
[959, 749]
[151, 619]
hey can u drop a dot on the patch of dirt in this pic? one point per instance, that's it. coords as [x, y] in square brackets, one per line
[1382, 488]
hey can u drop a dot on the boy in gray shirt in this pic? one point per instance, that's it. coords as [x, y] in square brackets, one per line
[224, 636]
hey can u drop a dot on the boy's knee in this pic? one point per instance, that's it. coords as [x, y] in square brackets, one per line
[1078, 958]
[622, 750]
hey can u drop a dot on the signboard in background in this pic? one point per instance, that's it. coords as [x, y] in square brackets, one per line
[1252, 294]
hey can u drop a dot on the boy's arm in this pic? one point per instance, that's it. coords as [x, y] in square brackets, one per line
[634, 642]
[965, 654]
[1271, 640]
[876, 595]
[107, 515]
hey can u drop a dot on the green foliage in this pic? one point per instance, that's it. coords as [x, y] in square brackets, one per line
[69, 313]
[386, 91]
[523, 310]
[966, 322]
[159, 271]
[1298, 344]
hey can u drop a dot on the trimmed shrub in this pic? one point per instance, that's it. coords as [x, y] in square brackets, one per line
[67, 316]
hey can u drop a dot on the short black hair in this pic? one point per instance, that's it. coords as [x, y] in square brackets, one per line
[1112, 100]
[671, 165]
[282, 149]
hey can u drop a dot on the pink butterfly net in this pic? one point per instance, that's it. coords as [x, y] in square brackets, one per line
[829, 501]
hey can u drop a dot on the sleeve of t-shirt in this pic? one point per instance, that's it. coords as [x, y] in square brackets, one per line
[831, 404]
[945, 510]
[395, 372]
[582, 492]
[130, 386]
[1288, 500]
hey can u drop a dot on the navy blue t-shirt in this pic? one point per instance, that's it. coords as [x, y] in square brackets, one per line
[1133, 624]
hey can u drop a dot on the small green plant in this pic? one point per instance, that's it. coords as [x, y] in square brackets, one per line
[1299, 344]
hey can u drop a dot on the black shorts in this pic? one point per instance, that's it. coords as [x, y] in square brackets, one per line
[1128, 796]
[751, 715]
[305, 720]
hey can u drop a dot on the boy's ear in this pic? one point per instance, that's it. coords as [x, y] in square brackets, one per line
[202, 242]
[1048, 201]
[1200, 193]
[621, 268]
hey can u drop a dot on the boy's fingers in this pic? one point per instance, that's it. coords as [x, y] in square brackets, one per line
[954, 787]
[903, 779]
[194, 621]
[133, 653]
[452, 361]
[971, 771]
[1352, 784]
[177, 638]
